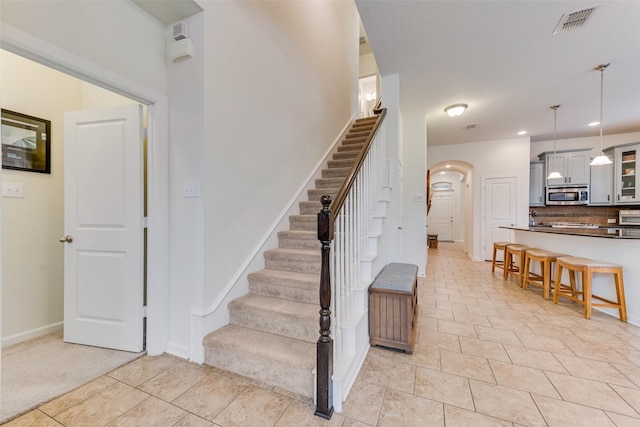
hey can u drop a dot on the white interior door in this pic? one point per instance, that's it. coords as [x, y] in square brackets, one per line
[104, 249]
[441, 215]
[499, 210]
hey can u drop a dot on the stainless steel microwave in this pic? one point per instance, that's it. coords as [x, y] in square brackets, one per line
[568, 195]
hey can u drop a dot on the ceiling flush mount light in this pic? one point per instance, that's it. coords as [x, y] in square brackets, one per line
[522, 132]
[601, 159]
[592, 124]
[455, 109]
[554, 174]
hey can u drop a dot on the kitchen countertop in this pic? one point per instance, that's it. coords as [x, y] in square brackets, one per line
[603, 231]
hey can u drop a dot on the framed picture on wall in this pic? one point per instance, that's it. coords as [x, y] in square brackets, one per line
[26, 142]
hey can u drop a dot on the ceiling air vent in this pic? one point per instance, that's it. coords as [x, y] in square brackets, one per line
[573, 20]
[470, 125]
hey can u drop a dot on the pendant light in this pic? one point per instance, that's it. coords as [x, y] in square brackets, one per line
[554, 174]
[601, 159]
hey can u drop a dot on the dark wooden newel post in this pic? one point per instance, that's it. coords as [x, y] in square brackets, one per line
[324, 347]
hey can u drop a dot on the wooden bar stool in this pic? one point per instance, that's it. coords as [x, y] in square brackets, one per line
[545, 258]
[587, 267]
[499, 246]
[510, 266]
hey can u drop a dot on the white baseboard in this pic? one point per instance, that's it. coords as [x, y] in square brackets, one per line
[177, 350]
[33, 333]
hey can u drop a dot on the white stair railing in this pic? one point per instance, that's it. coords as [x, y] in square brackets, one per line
[346, 230]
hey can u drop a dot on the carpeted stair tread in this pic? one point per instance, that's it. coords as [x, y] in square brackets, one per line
[346, 155]
[293, 239]
[303, 222]
[350, 147]
[357, 134]
[302, 287]
[336, 172]
[310, 207]
[260, 356]
[341, 163]
[354, 141]
[317, 193]
[299, 260]
[329, 182]
[293, 319]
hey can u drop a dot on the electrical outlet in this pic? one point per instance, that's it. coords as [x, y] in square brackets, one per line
[192, 189]
[419, 197]
[611, 220]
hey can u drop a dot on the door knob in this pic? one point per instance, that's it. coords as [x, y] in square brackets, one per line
[66, 239]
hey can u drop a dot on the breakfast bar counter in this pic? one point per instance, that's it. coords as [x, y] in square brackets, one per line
[606, 232]
[620, 245]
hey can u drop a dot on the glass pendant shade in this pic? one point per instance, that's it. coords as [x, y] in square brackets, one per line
[601, 159]
[554, 174]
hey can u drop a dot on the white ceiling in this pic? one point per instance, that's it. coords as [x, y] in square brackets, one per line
[501, 59]
[169, 11]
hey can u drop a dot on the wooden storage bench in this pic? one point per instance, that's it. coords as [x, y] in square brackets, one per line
[393, 307]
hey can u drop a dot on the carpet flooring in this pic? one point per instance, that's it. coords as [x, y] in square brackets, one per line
[38, 370]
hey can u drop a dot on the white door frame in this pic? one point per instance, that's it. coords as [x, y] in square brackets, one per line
[23, 44]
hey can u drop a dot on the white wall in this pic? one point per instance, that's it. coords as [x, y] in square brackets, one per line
[32, 273]
[115, 34]
[414, 180]
[280, 84]
[32, 257]
[503, 158]
[368, 65]
[186, 215]
[392, 227]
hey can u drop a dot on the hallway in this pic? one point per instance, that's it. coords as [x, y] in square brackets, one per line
[488, 354]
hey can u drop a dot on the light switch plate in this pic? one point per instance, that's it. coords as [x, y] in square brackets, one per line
[611, 220]
[192, 189]
[13, 189]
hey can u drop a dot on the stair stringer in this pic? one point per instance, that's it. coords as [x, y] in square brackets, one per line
[204, 320]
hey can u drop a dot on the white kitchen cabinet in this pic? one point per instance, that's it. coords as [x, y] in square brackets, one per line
[601, 186]
[625, 177]
[573, 165]
[536, 184]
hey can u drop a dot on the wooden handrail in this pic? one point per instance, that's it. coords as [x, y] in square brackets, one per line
[337, 203]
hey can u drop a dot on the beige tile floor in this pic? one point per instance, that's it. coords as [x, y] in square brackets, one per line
[488, 354]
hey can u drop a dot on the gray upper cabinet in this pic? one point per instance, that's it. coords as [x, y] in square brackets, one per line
[601, 186]
[536, 184]
[573, 165]
[625, 178]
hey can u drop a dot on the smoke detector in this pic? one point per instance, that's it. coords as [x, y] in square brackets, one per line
[574, 20]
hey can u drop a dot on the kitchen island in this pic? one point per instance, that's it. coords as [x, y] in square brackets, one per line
[620, 245]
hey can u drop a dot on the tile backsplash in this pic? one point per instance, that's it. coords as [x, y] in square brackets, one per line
[584, 214]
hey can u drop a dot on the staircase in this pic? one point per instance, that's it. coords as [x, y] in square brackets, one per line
[272, 331]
